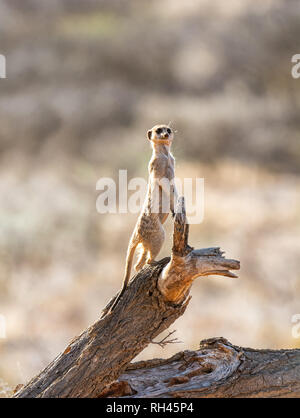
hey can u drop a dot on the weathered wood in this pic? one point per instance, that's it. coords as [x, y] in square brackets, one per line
[217, 369]
[181, 231]
[100, 354]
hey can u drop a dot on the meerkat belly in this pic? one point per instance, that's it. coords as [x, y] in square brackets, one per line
[149, 226]
[164, 206]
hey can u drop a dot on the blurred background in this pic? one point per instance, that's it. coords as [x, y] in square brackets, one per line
[85, 81]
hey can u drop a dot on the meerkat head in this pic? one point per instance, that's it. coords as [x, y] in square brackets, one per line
[161, 134]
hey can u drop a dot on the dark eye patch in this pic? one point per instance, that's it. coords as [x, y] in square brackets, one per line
[158, 131]
[169, 131]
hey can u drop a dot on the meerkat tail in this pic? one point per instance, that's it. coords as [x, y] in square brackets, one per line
[129, 261]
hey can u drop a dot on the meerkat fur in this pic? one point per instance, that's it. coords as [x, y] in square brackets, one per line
[161, 198]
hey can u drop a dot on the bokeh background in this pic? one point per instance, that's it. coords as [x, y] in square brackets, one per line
[85, 80]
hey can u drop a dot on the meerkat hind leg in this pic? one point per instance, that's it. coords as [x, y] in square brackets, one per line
[155, 247]
[141, 260]
[151, 257]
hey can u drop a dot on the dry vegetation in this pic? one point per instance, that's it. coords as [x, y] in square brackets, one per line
[85, 81]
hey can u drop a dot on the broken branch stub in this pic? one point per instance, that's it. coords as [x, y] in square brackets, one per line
[181, 230]
[187, 264]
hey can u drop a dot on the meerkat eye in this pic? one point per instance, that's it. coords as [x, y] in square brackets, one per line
[169, 131]
[158, 131]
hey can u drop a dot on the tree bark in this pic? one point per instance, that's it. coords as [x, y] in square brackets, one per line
[100, 354]
[217, 369]
[154, 299]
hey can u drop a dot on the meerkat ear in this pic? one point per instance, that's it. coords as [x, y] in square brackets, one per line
[149, 134]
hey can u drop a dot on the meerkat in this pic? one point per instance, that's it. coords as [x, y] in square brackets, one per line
[161, 197]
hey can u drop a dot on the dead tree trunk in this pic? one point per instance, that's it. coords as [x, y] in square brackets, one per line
[155, 298]
[217, 369]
